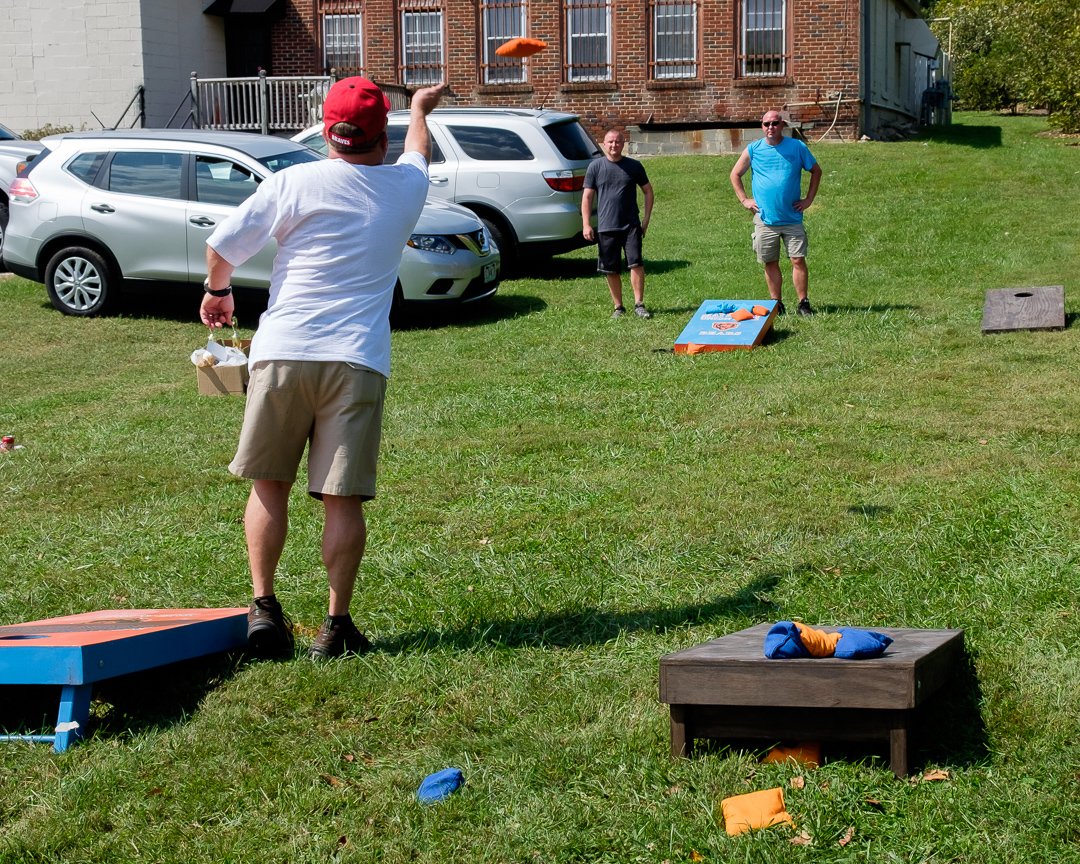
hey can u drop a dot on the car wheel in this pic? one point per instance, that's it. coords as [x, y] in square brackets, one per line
[80, 281]
[3, 222]
[398, 311]
[506, 245]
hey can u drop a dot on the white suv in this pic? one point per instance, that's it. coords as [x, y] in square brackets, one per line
[521, 170]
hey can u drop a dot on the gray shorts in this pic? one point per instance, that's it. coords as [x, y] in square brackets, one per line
[337, 407]
[767, 239]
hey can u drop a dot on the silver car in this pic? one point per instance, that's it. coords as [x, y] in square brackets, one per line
[521, 170]
[15, 152]
[103, 208]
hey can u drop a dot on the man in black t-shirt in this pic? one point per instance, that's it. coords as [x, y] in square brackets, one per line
[611, 183]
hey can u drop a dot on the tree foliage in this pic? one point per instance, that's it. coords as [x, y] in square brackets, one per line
[1009, 51]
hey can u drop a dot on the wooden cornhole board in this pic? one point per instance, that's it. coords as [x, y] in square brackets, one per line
[74, 651]
[713, 329]
[727, 689]
[1024, 309]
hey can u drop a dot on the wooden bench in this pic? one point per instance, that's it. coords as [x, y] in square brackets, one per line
[727, 689]
[77, 650]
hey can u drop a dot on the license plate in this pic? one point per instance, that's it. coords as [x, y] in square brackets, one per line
[491, 271]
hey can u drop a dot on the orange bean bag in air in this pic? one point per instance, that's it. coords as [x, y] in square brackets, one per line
[521, 47]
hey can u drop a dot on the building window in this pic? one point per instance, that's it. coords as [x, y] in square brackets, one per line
[588, 40]
[342, 41]
[763, 38]
[501, 21]
[422, 43]
[674, 39]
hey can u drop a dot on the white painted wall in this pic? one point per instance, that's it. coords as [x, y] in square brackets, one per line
[178, 39]
[80, 64]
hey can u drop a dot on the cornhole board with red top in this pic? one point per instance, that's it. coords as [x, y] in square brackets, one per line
[74, 651]
[714, 329]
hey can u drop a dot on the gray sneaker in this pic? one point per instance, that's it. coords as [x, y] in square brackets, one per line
[269, 630]
[619, 312]
[337, 640]
[641, 311]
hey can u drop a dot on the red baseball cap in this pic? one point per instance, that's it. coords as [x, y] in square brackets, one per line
[357, 101]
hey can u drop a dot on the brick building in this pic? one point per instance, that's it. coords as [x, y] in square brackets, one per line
[682, 69]
[683, 75]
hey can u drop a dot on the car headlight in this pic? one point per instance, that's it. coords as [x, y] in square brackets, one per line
[431, 243]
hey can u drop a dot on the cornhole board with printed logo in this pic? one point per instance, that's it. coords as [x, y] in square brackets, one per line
[714, 329]
[74, 651]
[727, 689]
[1041, 308]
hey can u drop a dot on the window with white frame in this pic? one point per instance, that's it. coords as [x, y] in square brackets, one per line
[501, 21]
[422, 58]
[588, 40]
[763, 38]
[342, 41]
[674, 39]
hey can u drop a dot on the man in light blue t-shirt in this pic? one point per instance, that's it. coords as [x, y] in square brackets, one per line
[777, 164]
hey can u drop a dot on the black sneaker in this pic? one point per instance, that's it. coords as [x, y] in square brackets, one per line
[337, 640]
[269, 632]
[804, 308]
[780, 308]
[619, 312]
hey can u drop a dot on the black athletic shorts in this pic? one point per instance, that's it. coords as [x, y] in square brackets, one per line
[611, 246]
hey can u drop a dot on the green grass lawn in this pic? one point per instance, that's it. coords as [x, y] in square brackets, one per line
[563, 500]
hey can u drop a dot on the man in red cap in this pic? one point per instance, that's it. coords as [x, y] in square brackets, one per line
[321, 356]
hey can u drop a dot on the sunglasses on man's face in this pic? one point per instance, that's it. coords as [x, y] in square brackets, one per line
[772, 122]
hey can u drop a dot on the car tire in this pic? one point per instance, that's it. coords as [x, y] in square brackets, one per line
[4, 214]
[399, 312]
[80, 282]
[503, 239]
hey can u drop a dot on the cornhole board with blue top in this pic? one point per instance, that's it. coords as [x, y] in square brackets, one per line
[74, 651]
[714, 329]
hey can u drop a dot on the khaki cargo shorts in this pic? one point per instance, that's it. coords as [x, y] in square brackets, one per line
[333, 408]
[767, 239]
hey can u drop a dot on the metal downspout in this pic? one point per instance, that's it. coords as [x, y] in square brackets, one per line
[866, 60]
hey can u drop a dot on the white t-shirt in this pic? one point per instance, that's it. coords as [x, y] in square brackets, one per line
[340, 230]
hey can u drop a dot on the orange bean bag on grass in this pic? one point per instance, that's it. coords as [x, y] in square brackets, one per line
[754, 810]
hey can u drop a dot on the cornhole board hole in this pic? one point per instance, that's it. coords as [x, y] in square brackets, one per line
[1024, 309]
[714, 329]
[727, 689]
[74, 651]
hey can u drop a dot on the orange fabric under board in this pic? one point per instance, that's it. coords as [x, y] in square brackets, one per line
[805, 753]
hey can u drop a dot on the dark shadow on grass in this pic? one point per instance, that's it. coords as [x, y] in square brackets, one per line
[870, 511]
[153, 699]
[588, 626]
[949, 728]
[497, 308]
[968, 136]
[877, 308]
[558, 269]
